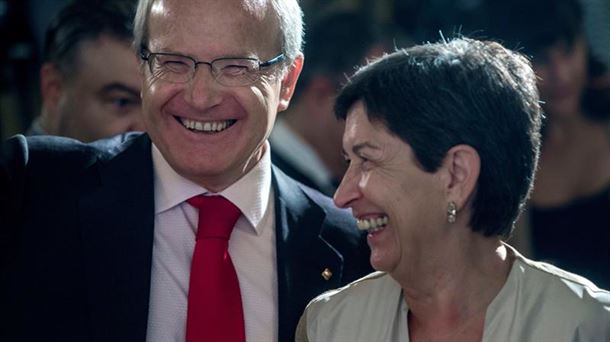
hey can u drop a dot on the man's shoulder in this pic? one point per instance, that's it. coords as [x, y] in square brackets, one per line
[53, 151]
[62, 147]
[38, 162]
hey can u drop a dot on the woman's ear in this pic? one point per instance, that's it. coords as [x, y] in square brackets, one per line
[463, 166]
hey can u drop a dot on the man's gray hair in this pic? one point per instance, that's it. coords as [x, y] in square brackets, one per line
[288, 12]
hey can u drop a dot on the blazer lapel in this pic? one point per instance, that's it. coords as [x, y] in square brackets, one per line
[117, 216]
[302, 253]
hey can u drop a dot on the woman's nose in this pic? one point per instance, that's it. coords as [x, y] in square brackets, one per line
[348, 191]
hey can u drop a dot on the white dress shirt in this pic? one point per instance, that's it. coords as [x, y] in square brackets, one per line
[252, 249]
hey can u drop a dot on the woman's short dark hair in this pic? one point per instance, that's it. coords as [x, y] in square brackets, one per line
[463, 91]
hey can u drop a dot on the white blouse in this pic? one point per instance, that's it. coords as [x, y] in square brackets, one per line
[538, 302]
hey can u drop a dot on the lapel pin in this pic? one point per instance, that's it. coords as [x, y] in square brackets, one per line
[327, 274]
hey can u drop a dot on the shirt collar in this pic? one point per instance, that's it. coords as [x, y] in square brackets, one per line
[250, 193]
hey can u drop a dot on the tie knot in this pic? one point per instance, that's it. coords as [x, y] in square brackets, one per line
[217, 216]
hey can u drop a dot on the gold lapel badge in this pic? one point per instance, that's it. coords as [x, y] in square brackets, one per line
[327, 274]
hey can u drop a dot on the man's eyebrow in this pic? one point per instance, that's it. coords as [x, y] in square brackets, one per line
[116, 86]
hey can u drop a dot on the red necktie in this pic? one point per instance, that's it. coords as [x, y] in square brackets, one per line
[214, 301]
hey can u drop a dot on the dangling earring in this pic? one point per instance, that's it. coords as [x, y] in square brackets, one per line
[451, 212]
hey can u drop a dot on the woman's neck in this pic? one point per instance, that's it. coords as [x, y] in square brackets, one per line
[454, 284]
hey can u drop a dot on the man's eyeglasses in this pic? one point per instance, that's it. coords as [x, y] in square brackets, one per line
[230, 72]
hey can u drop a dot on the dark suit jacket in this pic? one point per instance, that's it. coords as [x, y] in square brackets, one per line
[76, 235]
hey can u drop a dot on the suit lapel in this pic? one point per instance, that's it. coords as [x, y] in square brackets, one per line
[302, 253]
[117, 216]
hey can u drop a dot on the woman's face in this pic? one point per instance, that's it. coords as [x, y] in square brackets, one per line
[562, 72]
[388, 192]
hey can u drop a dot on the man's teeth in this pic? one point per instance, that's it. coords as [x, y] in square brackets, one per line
[372, 224]
[207, 126]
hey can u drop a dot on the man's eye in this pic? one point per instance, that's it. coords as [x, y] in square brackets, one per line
[235, 70]
[175, 66]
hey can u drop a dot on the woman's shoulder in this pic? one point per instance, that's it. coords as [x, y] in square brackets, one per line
[357, 291]
[373, 301]
[542, 274]
[562, 294]
[541, 302]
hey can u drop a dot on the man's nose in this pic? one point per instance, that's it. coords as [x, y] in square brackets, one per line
[203, 91]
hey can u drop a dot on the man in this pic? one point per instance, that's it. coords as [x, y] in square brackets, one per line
[306, 139]
[98, 240]
[90, 82]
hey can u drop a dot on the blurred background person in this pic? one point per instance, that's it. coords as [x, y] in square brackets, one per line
[89, 81]
[442, 142]
[568, 220]
[306, 139]
[22, 25]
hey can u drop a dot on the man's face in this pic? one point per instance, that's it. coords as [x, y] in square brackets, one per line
[101, 97]
[244, 115]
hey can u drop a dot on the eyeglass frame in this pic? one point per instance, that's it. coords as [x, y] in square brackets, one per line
[146, 54]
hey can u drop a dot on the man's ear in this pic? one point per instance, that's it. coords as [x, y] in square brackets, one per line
[50, 86]
[289, 82]
[463, 166]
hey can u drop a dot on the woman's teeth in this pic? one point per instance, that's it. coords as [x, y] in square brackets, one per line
[207, 126]
[372, 224]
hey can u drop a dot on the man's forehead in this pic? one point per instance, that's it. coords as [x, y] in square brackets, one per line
[242, 13]
[255, 8]
[219, 24]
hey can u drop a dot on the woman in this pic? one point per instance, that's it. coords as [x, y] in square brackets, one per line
[567, 222]
[442, 142]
